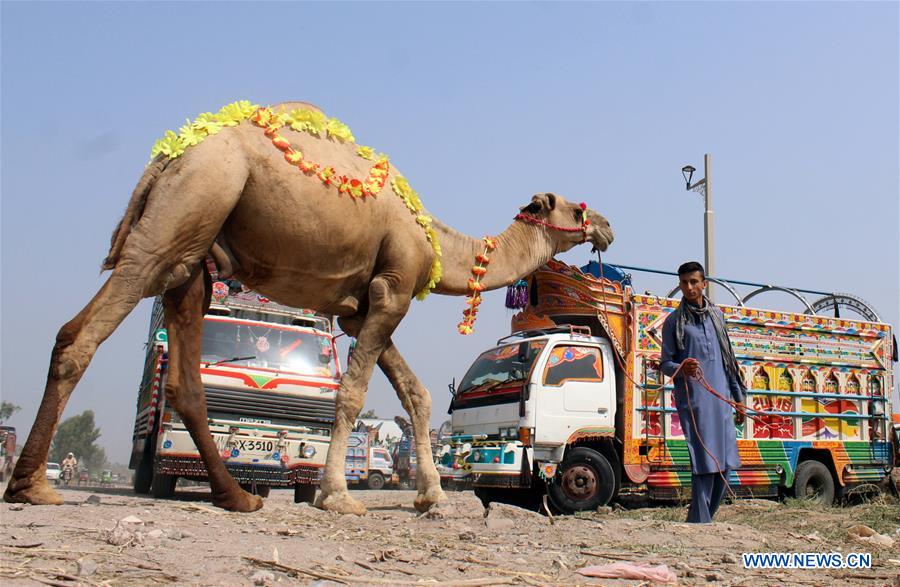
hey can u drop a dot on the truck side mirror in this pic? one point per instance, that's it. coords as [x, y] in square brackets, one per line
[452, 387]
[522, 355]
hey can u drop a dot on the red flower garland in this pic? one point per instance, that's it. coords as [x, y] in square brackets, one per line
[357, 188]
[470, 314]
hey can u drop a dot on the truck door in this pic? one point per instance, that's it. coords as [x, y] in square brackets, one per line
[576, 390]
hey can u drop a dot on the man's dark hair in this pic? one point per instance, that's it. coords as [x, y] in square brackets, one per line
[690, 267]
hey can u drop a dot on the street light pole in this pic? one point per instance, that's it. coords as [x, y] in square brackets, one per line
[704, 188]
[708, 223]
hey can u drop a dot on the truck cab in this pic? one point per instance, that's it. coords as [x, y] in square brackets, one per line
[270, 375]
[523, 401]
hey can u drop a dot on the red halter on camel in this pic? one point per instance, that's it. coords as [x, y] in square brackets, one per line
[582, 229]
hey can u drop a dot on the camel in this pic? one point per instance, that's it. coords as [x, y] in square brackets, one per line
[296, 239]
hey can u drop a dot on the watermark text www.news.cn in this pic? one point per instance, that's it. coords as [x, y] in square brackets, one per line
[806, 560]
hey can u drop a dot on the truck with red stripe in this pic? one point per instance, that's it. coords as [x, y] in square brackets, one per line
[270, 374]
[574, 406]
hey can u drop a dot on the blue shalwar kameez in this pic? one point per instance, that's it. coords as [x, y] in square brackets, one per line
[714, 418]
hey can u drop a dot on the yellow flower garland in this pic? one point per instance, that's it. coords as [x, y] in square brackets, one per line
[411, 198]
[173, 145]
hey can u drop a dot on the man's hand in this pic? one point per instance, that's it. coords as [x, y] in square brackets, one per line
[739, 417]
[690, 367]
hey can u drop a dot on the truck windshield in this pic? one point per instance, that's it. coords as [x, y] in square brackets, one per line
[504, 364]
[268, 346]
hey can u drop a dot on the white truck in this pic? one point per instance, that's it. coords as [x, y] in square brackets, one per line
[368, 465]
[574, 404]
[270, 374]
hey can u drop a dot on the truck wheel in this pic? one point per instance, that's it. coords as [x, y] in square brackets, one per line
[304, 493]
[813, 482]
[585, 481]
[376, 481]
[485, 495]
[163, 486]
[143, 474]
[261, 490]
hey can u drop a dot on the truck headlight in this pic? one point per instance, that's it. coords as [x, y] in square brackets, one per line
[307, 451]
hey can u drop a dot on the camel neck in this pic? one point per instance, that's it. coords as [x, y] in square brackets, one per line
[521, 249]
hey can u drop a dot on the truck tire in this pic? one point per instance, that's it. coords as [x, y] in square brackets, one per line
[813, 482]
[163, 486]
[585, 481]
[376, 481]
[143, 474]
[261, 490]
[304, 493]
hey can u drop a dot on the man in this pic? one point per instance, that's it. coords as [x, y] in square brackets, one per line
[694, 338]
[69, 467]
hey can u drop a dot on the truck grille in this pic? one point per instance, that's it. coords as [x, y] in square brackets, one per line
[269, 405]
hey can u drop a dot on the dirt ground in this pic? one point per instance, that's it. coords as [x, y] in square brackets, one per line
[107, 536]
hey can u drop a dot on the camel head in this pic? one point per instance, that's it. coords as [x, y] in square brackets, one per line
[565, 222]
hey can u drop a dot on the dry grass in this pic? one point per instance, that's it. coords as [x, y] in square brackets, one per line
[881, 513]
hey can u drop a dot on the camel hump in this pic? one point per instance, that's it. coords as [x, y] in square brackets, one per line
[288, 106]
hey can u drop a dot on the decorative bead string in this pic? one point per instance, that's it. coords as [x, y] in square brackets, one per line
[470, 314]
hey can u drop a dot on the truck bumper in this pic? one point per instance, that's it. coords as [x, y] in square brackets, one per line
[273, 460]
[486, 463]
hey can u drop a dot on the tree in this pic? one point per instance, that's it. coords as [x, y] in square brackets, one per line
[7, 409]
[78, 435]
[368, 415]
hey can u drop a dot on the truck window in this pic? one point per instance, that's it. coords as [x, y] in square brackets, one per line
[573, 363]
[500, 365]
[268, 346]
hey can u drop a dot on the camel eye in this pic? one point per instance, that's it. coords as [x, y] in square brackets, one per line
[578, 213]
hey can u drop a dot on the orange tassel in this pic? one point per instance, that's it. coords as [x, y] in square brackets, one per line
[478, 271]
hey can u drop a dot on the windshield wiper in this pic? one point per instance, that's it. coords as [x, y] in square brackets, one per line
[231, 360]
[509, 379]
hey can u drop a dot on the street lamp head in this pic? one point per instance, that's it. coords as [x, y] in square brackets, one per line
[688, 172]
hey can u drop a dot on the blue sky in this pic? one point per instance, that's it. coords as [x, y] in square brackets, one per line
[480, 106]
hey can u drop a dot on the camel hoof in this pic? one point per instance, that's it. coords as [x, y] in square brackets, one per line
[242, 502]
[37, 494]
[424, 500]
[341, 503]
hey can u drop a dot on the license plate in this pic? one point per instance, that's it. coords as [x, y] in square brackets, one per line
[263, 446]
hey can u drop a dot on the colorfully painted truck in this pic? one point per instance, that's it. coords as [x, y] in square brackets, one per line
[367, 465]
[7, 451]
[270, 374]
[574, 404]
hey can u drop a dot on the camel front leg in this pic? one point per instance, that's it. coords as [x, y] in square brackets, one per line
[387, 306]
[417, 402]
[184, 308]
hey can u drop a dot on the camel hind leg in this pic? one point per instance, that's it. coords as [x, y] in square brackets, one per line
[76, 343]
[184, 212]
[184, 309]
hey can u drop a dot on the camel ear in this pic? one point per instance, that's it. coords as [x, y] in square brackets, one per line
[546, 202]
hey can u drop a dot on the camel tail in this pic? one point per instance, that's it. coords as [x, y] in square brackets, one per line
[134, 210]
